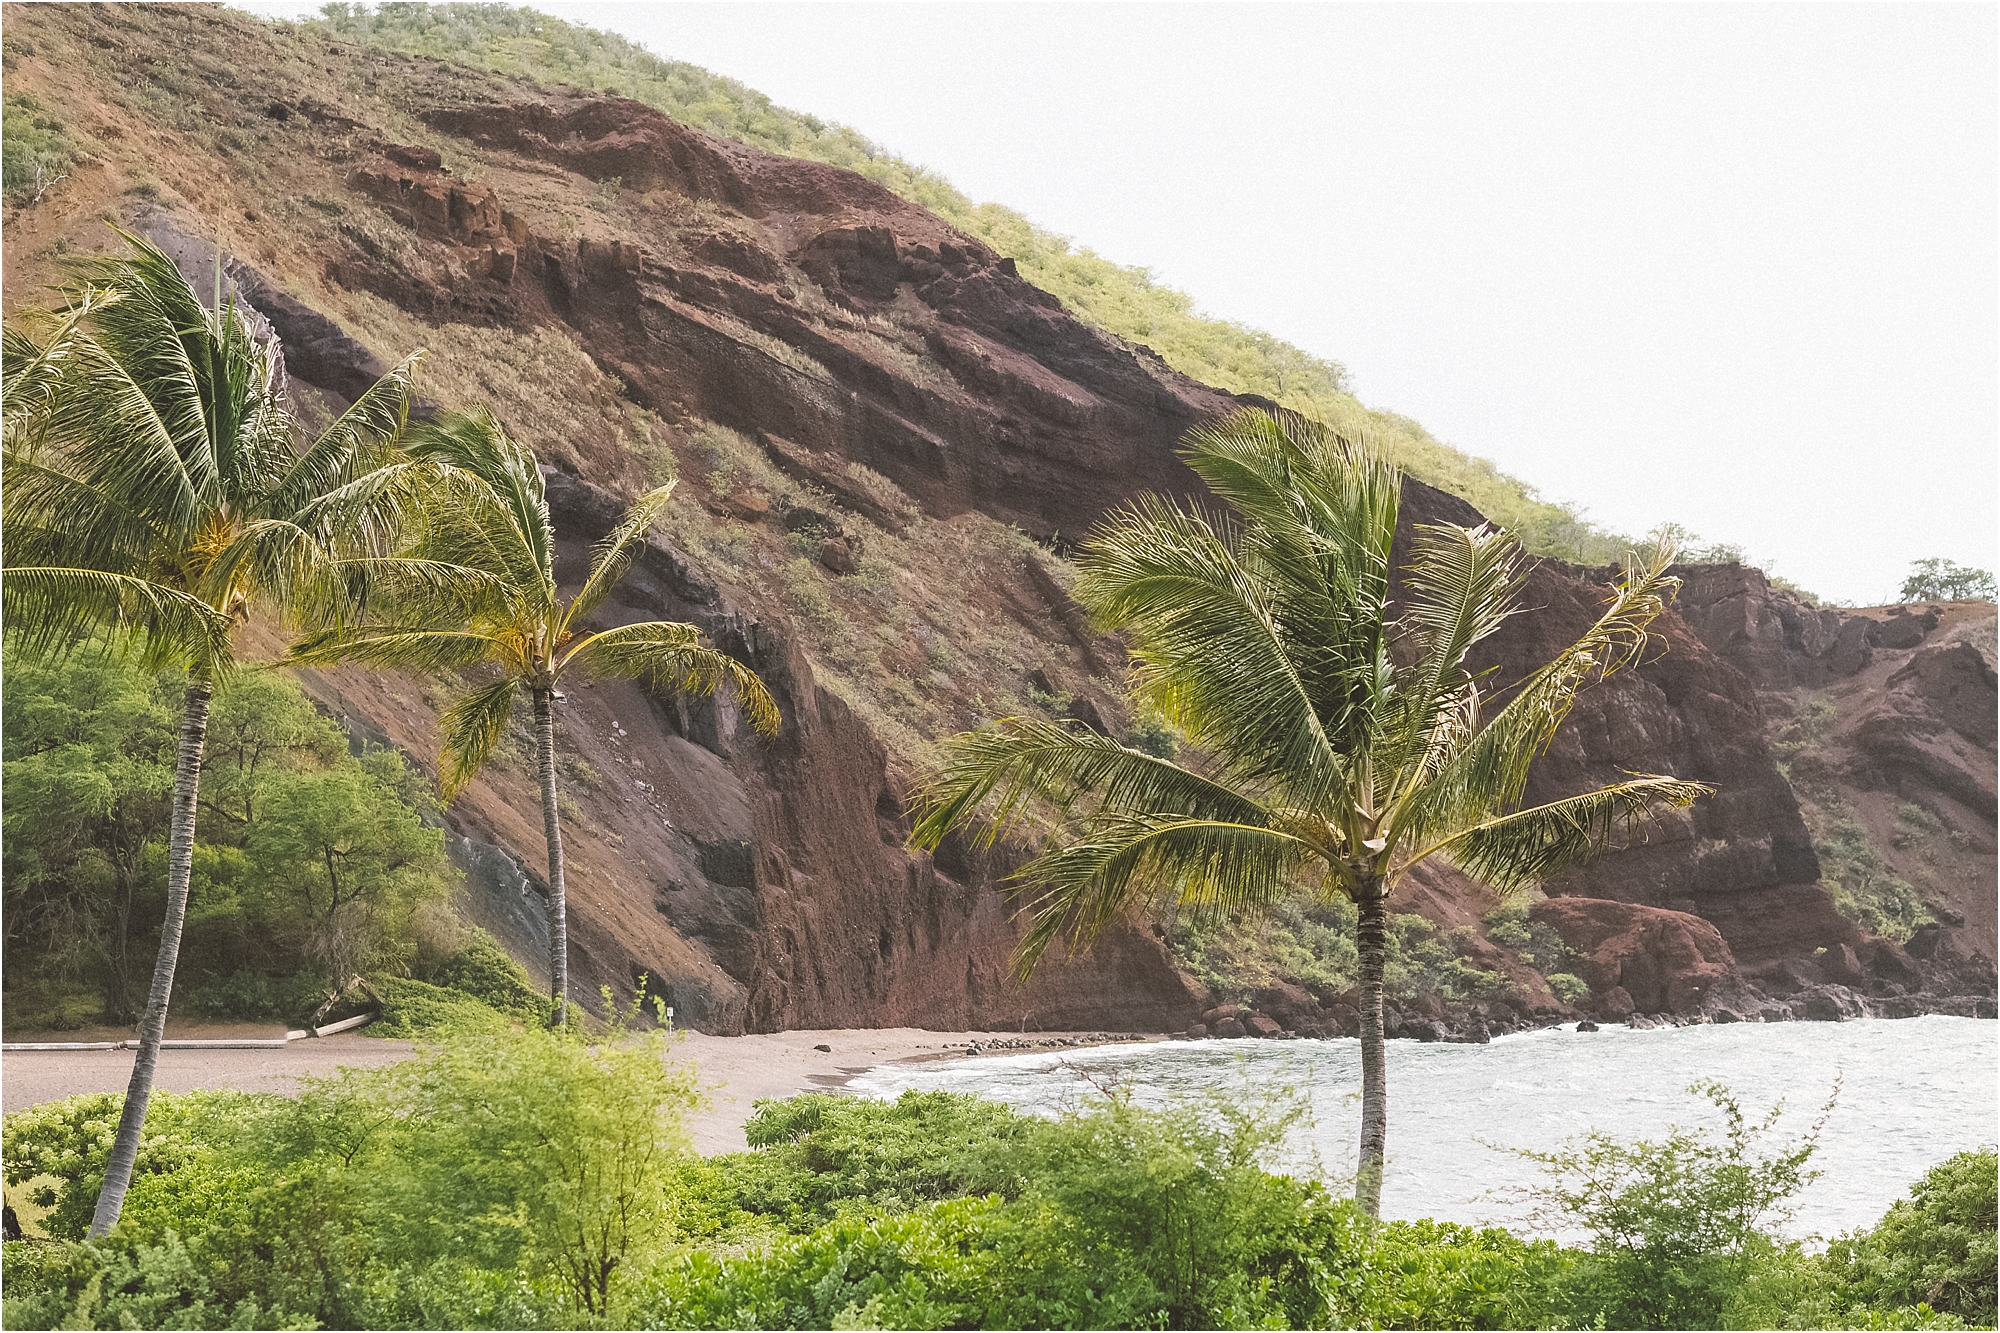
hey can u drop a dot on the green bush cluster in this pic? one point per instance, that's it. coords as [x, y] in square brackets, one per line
[524, 1178]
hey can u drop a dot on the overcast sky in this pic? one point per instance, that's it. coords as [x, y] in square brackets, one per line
[1732, 266]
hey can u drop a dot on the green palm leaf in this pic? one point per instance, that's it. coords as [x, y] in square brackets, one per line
[1211, 654]
[671, 657]
[997, 771]
[471, 728]
[1516, 850]
[611, 557]
[1089, 880]
[48, 611]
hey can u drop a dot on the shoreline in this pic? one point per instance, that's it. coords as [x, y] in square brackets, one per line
[737, 1072]
[732, 1073]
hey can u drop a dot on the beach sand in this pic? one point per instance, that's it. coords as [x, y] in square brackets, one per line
[733, 1072]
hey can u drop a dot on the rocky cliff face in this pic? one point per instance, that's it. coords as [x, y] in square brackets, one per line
[1887, 719]
[905, 380]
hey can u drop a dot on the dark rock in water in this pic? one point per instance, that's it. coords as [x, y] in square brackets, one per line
[1827, 1004]
[1776, 1013]
[824, 1047]
[1897, 1006]
[1197, 1031]
[1261, 1025]
[1586, 1026]
[1727, 1016]
[1226, 1027]
[1420, 1029]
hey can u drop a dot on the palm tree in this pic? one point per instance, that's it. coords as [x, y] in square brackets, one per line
[1346, 747]
[154, 490]
[491, 521]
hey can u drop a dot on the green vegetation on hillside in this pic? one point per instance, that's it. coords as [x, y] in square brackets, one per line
[542, 1179]
[1865, 888]
[1120, 299]
[35, 149]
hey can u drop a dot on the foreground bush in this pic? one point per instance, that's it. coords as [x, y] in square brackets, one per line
[527, 1179]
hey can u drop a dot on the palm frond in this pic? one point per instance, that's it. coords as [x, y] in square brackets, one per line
[408, 649]
[34, 348]
[1491, 770]
[611, 557]
[117, 439]
[1318, 519]
[48, 610]
[54, 518]
[1211, 653]
[669, 656]
[1515, 850]
[1462, 587]
[470, 728]
[378, 415]
[997, 771]
[523, 545]
[1089, 879]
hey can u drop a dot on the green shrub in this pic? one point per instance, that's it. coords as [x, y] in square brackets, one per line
[186, 1138]
[962, 1263]
[1936, 1247]
[1677, 1224]
[1430, 1274]
[1567, 986]
[817, 1153]
[489, 974]
[412, 1008]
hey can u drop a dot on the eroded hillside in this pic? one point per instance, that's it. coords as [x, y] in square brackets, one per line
[884, 436]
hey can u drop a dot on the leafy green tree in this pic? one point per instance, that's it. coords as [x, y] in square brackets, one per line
[1346, 746]
[261, 727]
[89, 767]
[1939, 580]
[343, 861]
[155, 490]
[491, 524]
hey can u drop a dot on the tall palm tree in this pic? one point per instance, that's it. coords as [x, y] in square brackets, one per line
[1345, 747]
[491, 521]
[154, 490]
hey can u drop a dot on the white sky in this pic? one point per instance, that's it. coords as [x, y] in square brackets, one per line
[1729, 265]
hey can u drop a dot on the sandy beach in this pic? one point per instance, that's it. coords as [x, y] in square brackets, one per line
[735, 1072]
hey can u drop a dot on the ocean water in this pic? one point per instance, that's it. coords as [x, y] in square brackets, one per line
[1911, 1093]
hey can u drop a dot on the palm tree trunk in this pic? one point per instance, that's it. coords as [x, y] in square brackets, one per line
[545, 742]
[1371, 941]
[153, 1028]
